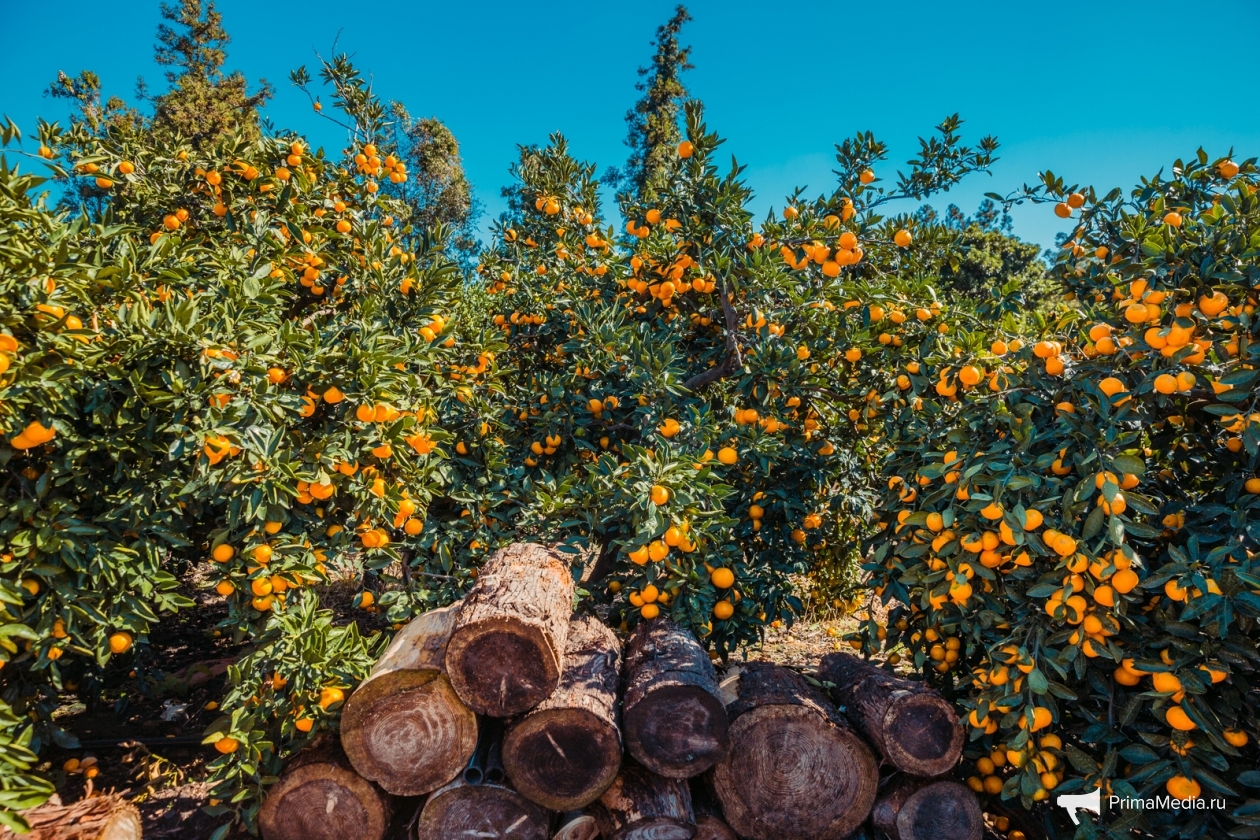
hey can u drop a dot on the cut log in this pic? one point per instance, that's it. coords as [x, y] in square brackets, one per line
[576, 825]
[640, 805]
[101, 817]
[795, 770]
[710, 824]
[566, 752]
[320, 797]
[912, 727]
[672, 720]
[404, 727]
[504, 657]
[489, 811]
[921, 809]
[481, 803]
[710, 827]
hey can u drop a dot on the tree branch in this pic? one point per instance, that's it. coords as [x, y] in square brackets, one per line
[733, 361]
[604, 564]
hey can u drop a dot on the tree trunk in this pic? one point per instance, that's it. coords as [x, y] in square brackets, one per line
[912, 727]
[920, 809]
[404, 727]
[566, 752]
[504, 657]
[320, 797]
[710, 824]
[577, 825]
[795, 770]
[101, 817]
[673, 721]
[640, 805]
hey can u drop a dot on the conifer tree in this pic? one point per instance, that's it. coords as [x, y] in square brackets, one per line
[654, 130]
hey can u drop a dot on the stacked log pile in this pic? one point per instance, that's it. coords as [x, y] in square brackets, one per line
[515, 718]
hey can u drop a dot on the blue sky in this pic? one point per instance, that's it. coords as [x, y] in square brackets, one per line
[1100, 92]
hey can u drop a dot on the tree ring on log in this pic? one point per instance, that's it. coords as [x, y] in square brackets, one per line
[549, 754]
[408, 731]
[677, 731]
[322, 801]
[783, 776]
[659, 828]
[485, 812]
[581, 827]
[925, 735]
[938, 810]
[501, 667]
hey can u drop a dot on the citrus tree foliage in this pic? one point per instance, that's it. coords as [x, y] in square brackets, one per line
[235, 362]
[679, 407]
[428, 176]
[1071, 515]
[286, 691]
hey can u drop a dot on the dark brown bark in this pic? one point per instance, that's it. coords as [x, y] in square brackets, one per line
[504, 657]
[710, 824]
[404, 727]
[490, 811]
[795, 770]
[640, 805]
[710, 827]
[673, 722]
[732, 361]
[566, 752]
[921, 809]
[107, 817]
[320, 797]
[912, 727]
[605, 564]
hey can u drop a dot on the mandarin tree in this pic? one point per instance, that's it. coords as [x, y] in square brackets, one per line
[1070, 531]
[671, 404]
[243, 359]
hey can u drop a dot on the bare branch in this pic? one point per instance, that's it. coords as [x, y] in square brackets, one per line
[733, 361]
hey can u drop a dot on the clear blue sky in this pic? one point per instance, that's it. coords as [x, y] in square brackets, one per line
[1100, 92]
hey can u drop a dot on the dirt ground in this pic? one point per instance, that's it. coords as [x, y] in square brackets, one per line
[147, 747]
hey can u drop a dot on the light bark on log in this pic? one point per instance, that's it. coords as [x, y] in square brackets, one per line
[100, 817]
[483, 811]
[641, 805]
[795, 770]
[404, 727]
[672, 720]
[912, 727]
[321, 797]
[566, 752]
[505, 655]
[921, 809]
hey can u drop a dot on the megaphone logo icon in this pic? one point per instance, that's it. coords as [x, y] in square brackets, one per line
[1085, 801]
